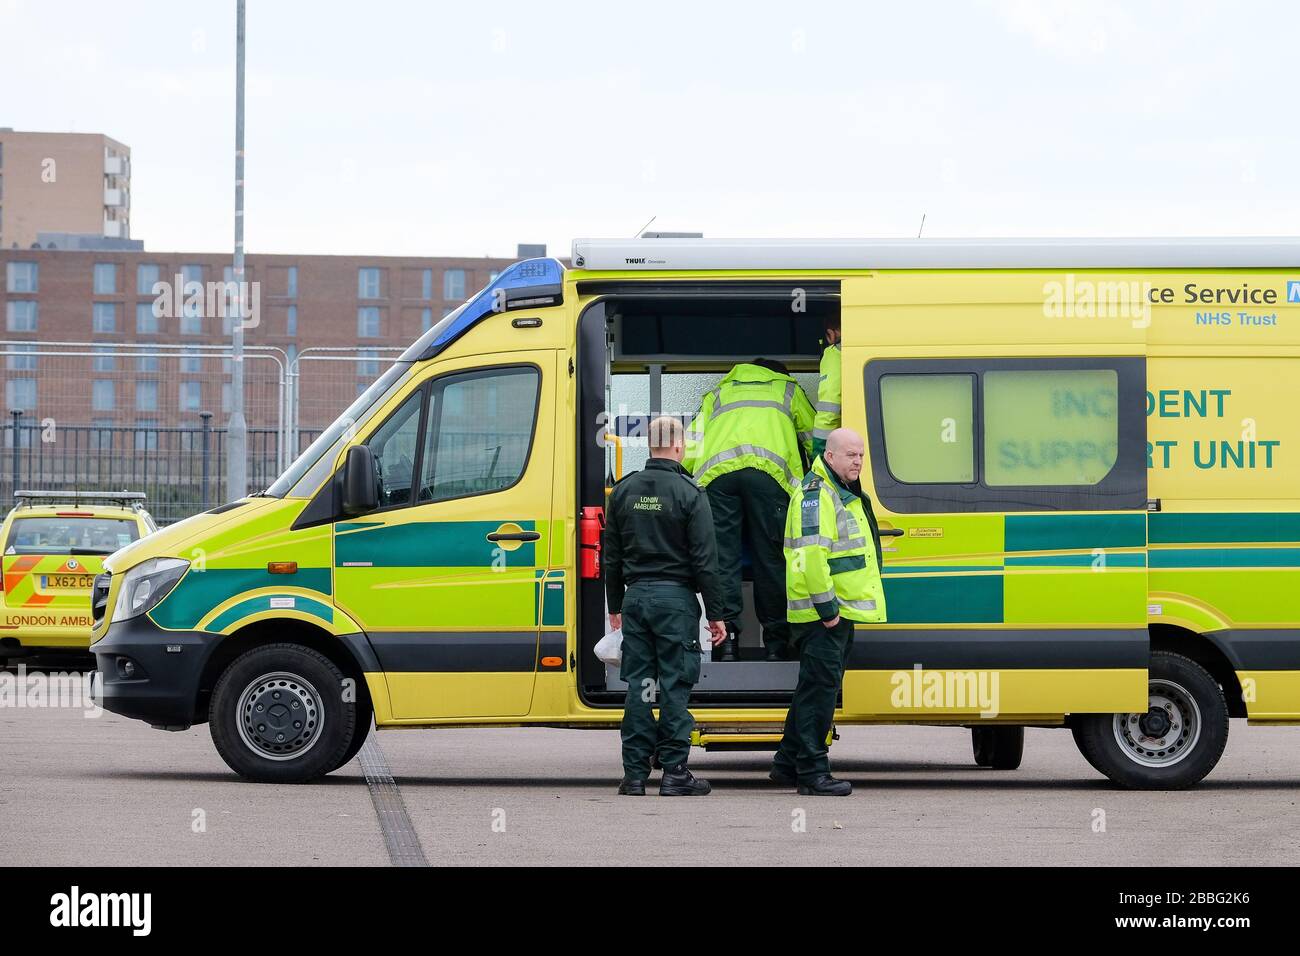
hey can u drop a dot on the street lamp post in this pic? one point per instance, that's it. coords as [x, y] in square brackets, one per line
[237, 427]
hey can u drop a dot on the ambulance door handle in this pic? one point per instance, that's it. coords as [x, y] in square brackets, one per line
[892, 532]
[514, 536]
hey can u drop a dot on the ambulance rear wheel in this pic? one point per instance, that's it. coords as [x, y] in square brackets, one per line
[998, 748]
[279, 715]
[1171, 745]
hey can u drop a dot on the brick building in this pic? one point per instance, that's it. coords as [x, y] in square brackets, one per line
[138, 361]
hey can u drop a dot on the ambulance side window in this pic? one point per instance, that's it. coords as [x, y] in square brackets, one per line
[394, 445]
[478, 432]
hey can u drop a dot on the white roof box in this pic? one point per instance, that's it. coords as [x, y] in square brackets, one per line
[624, 255]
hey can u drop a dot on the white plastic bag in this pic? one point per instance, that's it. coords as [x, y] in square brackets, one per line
[610, 648]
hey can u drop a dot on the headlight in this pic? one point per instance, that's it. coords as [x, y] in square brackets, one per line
[146, 584]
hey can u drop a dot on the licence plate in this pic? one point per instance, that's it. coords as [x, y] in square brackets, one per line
[68, 581]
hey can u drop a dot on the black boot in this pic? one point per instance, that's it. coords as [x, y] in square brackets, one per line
[631, 788]
[680, 782]
[825, 786]
[777, 775]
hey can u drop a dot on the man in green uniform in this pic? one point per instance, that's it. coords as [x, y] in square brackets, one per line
[659, 542]
[832, 555]
[748, 446]
[828, 386]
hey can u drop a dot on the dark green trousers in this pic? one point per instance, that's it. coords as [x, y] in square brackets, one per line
[823, 655]
[750, 506]
[661, 663]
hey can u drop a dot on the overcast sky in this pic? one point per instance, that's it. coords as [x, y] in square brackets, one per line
[386, 127]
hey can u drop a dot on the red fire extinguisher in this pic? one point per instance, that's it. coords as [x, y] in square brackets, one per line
[590, 526]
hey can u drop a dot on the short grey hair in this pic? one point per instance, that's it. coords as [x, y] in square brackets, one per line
[666, 432]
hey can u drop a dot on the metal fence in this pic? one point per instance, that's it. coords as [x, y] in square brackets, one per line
[151, 417]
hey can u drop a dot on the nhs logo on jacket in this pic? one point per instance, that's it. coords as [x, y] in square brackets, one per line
[1293, 290]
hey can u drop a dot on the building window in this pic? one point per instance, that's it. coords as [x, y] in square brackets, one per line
[291, 321]
[369, 365]
[191, 273]
[147, 363]
[367, 283]
[20, 316]
[225, 396]
[21, 362]
[22, 276]
[146, 274]
[103, 393]
[426, 320]
[453, 284]
[426, 284]
[191, 313]
[101, 434]
[146, 320]
[191, 363]
[191, 396]
[291, 282]
[104, 360]
[146, 395]
[146, 434]
[104, 317]
[368, 322]
[105, 278]
[20, 393]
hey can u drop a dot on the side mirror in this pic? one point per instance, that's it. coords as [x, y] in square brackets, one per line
[360, 481]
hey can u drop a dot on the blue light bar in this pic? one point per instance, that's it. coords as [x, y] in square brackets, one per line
[531, 282]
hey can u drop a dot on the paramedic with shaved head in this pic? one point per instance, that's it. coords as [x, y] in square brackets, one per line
[832, 583]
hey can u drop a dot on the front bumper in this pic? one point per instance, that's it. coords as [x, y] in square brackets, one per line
[161, 685]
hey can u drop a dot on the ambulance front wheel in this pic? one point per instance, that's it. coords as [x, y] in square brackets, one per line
[281, 714]
[1171, 745]
[999, 748]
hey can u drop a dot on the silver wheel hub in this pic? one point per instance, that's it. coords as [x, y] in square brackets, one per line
[280, 716]
[1166, 733]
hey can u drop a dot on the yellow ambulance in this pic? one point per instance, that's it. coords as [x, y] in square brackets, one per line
[54, 543]
[1082, 455]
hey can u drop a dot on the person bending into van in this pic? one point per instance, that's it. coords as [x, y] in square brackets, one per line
[659, 542]
[832, 573]
[828, 386]
[748, 446]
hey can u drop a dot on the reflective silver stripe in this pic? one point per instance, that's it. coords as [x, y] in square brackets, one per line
[846, 526]
[750, 403]
[695, 436]
[805, 436]
[822, 433]
[808, 541]
[806, 604]
[829, 407]
[733, 453]
[859, 605]
[849, 544]
[789, 396]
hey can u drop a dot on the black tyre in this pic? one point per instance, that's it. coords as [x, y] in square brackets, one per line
[1171, 746]
[278, 715]
[999, 748]
[365, 718]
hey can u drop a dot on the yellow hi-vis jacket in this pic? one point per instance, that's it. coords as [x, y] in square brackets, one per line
[755, 418]
[831, 563]
[828, 398]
